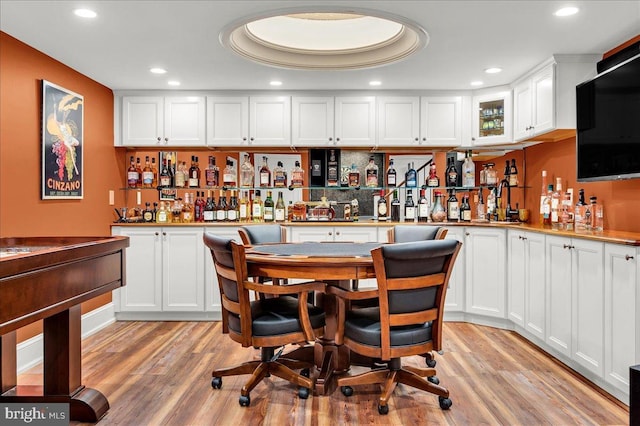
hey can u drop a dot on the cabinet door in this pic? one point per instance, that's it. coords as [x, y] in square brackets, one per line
[543, 105]
[559, 306]
[142, 121]
[620, 317]
[270, 120]
[211, 288]
[182, 270]
[398, 120]
[492, 119]
[454, 301]
[516, 276]
[227, 120]
[522, 113]
[184, 121]
[535, 306]
[441, 121]
[311, 233]
[312, 121]
[588, 306]
[143, 292]
[355, 233]
[485, 271]
[355, 120]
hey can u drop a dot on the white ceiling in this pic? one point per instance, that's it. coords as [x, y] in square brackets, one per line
[128, 37]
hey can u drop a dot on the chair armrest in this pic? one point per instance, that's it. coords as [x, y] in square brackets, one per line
[286, 289]
[353, 295]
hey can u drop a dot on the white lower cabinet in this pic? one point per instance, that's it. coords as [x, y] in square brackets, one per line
[485, 271]
[454, 301]
[182, 269]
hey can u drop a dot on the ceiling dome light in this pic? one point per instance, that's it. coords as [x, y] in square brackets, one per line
[85, 13]
[158, 71]
[477, 83]
[324, 38]
[375, 83]
[566, 11]
[493, 70]
[173, 83]
[275, 83]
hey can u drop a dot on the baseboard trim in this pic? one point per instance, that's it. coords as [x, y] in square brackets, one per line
[29, 352]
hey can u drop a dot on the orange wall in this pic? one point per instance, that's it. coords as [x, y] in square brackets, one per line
[22, 212]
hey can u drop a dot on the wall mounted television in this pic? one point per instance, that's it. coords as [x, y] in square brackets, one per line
[608, 124]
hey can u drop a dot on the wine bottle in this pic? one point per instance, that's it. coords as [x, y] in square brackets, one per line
[395, 207]
[409, 207]
[423, 207]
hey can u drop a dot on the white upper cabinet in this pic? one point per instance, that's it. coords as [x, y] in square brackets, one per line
[441, 121]
[312, 119]
[355, 120]
[248, 121]
[398, 120]
[163, 121]
[534, 106]
[491, 118]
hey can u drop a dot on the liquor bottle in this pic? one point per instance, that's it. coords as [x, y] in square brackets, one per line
[566, 212]
[244, 213]
[147, 215]
[465, 209]
[232, 208]
[257, 207]
[395, 207]
[181, 172]
[468, 171]
[165, 177]
[229, 176]
[280, 211]
[265, 174]
[579, 212]
[139, 171]
[492, 175]
[212, 174]
[355, 210]
[347, 211]
[513, 173]
[438, 213]
[382, 207]
[246, 173]
[269, 208]
[452, 174]
[333, 178]
[543, 195]
[147, 174]
[154, 170]
[556, 200]
[297, 176]
[391, 175]
[483, 174]
[162, 215]
[453, 208]
[194, 174]
[423, 207]
[409, 207]
[411, 177]
[507, 171]
[371, 173]
[354, 176]
[433, 180]
[172, 174]
[597, 215]
[132, 174]
[221, 211]
[203, 205]
[491, 204]
[480, 206]
[209, 209]
[290, 211]
[279, 176]
[546, 207]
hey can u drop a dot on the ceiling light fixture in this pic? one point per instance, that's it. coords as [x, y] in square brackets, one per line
[85, 13]
[275, 83]
[477, 83]
[566, 11]
[158, 70]
[375, 83]
[493, 70]
[173, 83]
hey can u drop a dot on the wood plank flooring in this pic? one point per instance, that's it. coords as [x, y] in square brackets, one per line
[159, 373]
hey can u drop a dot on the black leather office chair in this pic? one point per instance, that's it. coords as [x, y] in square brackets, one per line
[412, 285]
[266, 323]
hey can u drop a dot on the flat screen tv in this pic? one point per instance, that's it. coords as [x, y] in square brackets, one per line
[608, 124]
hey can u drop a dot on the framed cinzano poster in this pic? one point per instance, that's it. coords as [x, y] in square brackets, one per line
[62, 140]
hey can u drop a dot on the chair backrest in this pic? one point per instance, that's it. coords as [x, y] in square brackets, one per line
[412, 284]
[262, 234]
[408, 233]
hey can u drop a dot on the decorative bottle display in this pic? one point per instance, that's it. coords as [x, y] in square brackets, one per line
[423, 207]
[297, 176]
[579, 212]
[465, 209]
[279, 176]
[212, 174]
[194, 174]
[395, 207]
[453, 208]
[411, 177]
[354, 176]
[556, 200]
[513, 173]
[246, 173]
[382, 207]
[433, 180]
[480, 206]
[265, 174]
[257, 207]
[391, 175]
[451, 173]
[409, 207]
[229, 176]
[280, 211]
[371, 173]
[438, 214]
[147, 174]
[132, 174]
[221, 211]
[468, 172]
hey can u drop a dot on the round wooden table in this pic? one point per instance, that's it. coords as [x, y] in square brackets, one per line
[336, 263]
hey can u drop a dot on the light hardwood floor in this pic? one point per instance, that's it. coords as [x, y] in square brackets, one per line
[159, 373]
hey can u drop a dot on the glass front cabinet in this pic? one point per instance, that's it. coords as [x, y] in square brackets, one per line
[492, 119]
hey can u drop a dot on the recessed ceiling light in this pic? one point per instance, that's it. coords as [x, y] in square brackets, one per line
[158, 70]
[173, 83]
[566, 11]
[375, 83]
[85, 13]
[275, 83]
[477, 83]
[493, 70]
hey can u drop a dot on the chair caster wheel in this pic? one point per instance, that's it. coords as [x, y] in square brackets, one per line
[303, 393]
[305, 372]
[216, 382]
[434, 380]
[445, 403]
[431, 363]
[346, 390]
[383, 409]
[244, 401]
